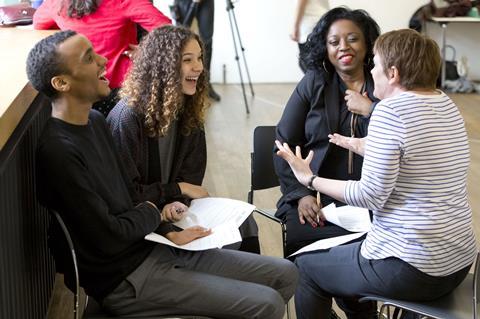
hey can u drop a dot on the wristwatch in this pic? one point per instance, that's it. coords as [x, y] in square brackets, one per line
[310, 182]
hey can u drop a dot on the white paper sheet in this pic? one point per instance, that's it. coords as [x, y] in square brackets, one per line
[222, 215]
[211, 212]
[354, 219]
[328, 243]
[222, 235]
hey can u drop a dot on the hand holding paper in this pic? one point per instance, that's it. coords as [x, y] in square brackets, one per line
[222, 215]
[351, 218]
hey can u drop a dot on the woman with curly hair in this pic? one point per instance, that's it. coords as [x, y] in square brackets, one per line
[334, 96]
[158, 123]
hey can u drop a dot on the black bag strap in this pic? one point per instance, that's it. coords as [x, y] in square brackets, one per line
[452, 50]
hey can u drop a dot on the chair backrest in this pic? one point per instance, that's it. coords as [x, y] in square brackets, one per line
[476, 287]
[68, 239]
[263, 174]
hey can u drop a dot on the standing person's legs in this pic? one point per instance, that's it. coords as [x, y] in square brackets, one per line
[217, 283]
[182, 6]
[343, 273]
[205, 17]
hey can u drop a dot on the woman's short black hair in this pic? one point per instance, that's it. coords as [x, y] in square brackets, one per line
[316, 46]
[44, 62]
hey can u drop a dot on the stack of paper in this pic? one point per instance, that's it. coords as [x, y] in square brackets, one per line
[354, 219]
[222, 215]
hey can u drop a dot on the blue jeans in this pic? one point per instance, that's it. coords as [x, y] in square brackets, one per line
[343, 273]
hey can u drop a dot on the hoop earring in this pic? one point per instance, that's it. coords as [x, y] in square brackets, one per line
[324, 66]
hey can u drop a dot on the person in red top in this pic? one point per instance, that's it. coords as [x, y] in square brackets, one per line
[111, 27]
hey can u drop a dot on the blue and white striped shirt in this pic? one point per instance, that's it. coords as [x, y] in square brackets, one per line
[414, 179]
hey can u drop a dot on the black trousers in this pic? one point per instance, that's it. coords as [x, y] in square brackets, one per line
[204, 15]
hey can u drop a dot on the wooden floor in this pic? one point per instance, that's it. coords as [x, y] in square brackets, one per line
[229, 139]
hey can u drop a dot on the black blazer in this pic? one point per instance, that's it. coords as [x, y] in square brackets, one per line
[311, 113]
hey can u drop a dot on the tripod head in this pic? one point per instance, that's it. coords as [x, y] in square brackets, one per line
[230, 5]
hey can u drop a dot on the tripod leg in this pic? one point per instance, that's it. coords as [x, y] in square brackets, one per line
[238, 62]
[243, 52]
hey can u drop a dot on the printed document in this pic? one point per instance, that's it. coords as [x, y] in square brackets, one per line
[211, 212]
[354, 219]
[328, 243]
[222, 215]
[222, 235]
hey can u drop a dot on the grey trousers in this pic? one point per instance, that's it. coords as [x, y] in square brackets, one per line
[218, 283]
[342, 272]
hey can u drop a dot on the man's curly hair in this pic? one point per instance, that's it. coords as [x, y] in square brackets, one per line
[44, 63]
[153, 86]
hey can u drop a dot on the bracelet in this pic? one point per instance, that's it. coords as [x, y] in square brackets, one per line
[310, 182]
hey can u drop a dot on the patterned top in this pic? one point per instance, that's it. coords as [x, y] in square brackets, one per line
[414, 179]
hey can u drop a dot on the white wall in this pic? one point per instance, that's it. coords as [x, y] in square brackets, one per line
[465, 37]
[264, 27]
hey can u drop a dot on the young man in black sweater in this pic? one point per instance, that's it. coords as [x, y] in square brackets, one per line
[80, 175]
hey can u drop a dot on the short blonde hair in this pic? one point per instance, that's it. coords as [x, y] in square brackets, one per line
[416, 57]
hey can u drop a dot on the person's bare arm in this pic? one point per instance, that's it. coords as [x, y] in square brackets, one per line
[299, 12]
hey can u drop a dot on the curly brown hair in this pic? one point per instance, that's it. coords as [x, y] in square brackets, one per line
[153, 86]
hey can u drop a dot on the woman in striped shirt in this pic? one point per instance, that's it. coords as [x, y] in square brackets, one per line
[416, 155]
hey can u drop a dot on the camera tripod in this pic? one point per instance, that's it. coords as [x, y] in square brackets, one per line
[236, 37]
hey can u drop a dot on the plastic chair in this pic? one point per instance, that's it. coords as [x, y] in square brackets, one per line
[461, 303]
[92, 309]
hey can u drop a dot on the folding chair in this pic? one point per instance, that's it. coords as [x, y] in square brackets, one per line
[92, 308]
[461, 303]
[263, 175]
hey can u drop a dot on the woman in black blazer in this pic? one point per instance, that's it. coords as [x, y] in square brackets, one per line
[334, 96]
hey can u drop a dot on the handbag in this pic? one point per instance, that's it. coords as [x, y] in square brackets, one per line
[451, 72]
[16, 14]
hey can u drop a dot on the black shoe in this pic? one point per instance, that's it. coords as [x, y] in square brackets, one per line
[214, 95]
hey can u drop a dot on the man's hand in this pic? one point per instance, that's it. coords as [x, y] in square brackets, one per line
[358, 103]
[192, 191]
[187, 235]
[356, 145]
[173, 212]
[300, 167]
[309, 210]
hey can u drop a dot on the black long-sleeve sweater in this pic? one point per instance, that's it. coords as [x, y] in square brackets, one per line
[79, 175]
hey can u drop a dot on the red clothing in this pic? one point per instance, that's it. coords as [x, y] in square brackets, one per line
[110, 29]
